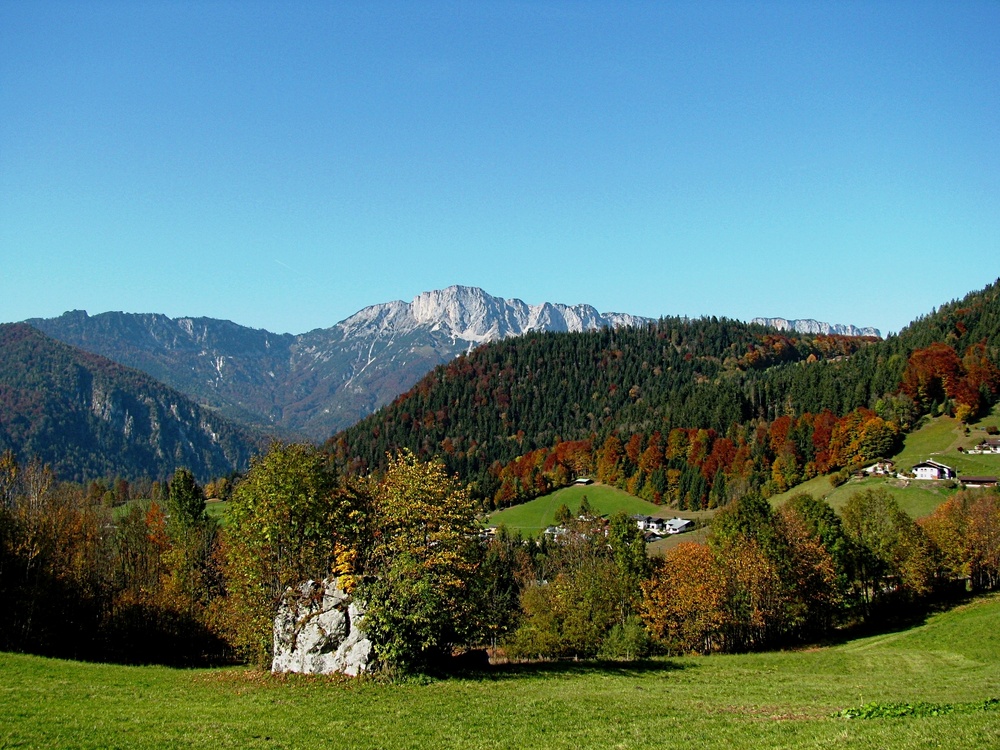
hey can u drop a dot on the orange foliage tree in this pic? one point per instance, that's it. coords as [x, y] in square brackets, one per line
[683, 603]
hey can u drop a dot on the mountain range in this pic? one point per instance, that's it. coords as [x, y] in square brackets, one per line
[133, 394]
[811, 326]
[314, 384]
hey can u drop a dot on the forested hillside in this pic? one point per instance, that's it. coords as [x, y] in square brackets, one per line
[687, 412]
[88, 417]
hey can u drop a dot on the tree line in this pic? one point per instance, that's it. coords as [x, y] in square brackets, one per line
[164, 582]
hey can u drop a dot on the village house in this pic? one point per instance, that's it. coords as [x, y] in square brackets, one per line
[648, 523]
[930, 469]
[880, 469]
[679, 525]
[989, 445]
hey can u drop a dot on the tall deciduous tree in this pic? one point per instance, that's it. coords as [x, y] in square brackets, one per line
[683, 603]
[421, 589]
[892, 555]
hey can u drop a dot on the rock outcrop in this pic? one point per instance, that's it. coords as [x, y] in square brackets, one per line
[319, 630]
[814, 327]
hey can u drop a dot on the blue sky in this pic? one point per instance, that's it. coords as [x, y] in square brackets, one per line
[283, 165]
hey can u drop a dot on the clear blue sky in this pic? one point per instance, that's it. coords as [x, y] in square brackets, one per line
[283, 165]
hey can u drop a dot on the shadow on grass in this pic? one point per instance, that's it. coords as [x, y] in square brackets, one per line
[895, 617]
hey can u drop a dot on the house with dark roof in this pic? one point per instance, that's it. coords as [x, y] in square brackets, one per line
[933, 470]
[989, 445]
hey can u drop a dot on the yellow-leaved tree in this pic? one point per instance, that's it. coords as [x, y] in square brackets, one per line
[420, 589]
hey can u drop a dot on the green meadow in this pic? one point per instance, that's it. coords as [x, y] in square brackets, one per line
[773, 700]
[532, 517]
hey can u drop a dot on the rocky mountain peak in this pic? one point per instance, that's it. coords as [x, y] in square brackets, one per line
[470, 314]
[816, 327]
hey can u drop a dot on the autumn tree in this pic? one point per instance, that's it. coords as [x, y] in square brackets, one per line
[683, 603]
[581, 599]
[965, 529]
[290, 520]
[420, 584]
[891, 555]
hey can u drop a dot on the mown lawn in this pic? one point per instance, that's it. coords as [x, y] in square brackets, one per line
[532, 517]
[774, 700]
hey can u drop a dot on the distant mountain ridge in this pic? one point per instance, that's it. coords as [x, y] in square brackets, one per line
[470, 314]
[319, 382]
[814, 327]
[89, 417]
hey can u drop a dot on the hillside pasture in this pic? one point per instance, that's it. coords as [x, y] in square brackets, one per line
[783, 699]
[533, 517]
[937, 438]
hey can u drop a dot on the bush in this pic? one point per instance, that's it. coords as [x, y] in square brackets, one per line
[839, 478]
[627, 641]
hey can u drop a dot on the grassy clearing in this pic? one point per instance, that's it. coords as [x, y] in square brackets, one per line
[915, 498]
[660, 546]
[533, 517]
[218, 510]
[785, 699]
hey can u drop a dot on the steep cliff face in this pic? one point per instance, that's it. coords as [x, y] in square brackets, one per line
[89, 417]
[322, 381]
[816, 327]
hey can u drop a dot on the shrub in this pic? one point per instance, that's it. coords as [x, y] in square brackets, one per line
[839, 478]
[626, 642]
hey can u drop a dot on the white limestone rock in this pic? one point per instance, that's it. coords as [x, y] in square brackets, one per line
[813, 327]
[319, 630]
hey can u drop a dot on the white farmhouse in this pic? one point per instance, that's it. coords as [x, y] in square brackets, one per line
[933, 470]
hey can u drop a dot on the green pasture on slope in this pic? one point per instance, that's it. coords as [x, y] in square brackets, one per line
[771, 700]
[939, 439]
[915, 498]
[532, 517]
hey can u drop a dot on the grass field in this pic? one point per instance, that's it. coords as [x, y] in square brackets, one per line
[533, 517]
[772, 700]
[915, 498]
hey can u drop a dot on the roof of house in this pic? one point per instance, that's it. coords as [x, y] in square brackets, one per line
[679, 523]
[933, 463]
